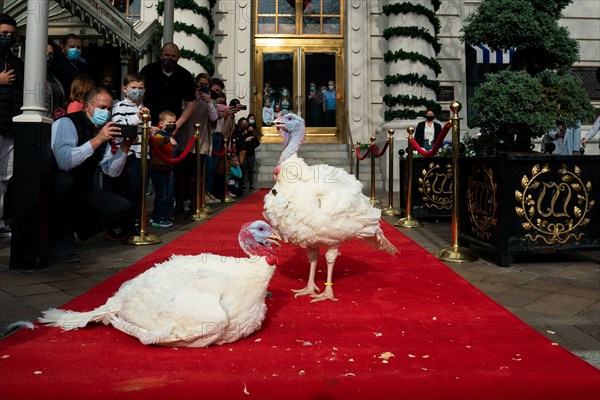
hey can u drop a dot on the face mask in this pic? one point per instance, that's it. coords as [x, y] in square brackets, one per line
[251, 121]
[330, 87]
[430, 117]
[135, 94]
[7, 41]
[214, 95]
[169, 63]
[170, 128]
[49, 59]
[100, 116]
[73, 54]
[313, 89]
[285, 93]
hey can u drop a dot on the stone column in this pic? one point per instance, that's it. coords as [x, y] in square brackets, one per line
[195, 44]
[412, 64]
[33, 157]
[168, 21]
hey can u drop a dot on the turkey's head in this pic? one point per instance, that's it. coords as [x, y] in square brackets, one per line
[257, 240]
[291, 128]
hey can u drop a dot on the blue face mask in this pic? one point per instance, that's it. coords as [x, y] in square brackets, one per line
[313, 89]
[73, 54]
[100, 117]
[330, 87]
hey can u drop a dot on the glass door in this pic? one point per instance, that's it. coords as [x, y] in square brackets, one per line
[304, 79]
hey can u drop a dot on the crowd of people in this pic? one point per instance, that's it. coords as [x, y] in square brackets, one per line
[96, 141]
[96, 161]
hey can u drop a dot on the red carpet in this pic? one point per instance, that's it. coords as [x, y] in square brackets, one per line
[448, 340]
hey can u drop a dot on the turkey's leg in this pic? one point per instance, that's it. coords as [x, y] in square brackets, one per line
[311, 288]
[330, 256]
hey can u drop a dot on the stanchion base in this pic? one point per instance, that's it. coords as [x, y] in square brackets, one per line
[408, 222]
[229, 200]
[374, 201]
[390, 211]
[199, 216]
[142, 239]
[456, 254]
[206, 209]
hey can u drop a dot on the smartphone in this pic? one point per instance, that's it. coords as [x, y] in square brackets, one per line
[128, 131]
[204, 89]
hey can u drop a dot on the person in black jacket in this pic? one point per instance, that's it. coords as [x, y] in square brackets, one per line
[79, 144]
[427, 131]
[70, 63]
[11, 101]
[247, 155]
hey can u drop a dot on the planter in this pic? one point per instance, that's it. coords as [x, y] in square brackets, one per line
[431, 187]
[527, 203]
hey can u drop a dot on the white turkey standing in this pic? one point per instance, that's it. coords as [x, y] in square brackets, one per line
[190, 301]
[318, 206]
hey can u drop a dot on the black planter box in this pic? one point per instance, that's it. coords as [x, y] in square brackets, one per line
[527, 203]
[431, 187]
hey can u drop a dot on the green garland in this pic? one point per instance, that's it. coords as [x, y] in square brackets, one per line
[413, 79]
[415, 33]
[409, 8]
[432, 63]
[204, 61]
[192, 6]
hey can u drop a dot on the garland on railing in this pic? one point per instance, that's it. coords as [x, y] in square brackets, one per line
[410, 103]
[436, 146]
[204, 61]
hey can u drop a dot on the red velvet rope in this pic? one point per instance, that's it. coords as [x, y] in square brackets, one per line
[378, 154]
[358, 153]
[221, 153]
[436, 145]
[169, 160]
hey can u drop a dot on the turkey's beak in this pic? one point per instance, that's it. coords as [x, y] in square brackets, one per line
[274, 238]
[280, 125]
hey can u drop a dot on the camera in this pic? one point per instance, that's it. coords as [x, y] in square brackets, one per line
[204, 89]
[128, 131]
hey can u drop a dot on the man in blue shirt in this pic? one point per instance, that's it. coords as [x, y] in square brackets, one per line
[329, 104]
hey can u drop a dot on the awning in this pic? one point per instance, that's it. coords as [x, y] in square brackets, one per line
[485, 55]
[110, 23]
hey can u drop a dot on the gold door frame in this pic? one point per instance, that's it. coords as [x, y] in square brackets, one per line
[299, 48]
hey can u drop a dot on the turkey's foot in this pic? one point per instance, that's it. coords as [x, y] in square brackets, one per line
[310, 289]
[326, 295]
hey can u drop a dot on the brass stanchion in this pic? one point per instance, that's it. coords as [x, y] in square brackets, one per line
[455, 253]
[409, 221]
[144, 237]
[226, 198]
[200, 214]
[357, 153]
[373, 200]
[390, 210]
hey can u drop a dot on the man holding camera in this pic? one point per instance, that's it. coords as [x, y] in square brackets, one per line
[79, 144]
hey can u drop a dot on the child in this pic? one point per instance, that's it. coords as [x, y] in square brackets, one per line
[129, 111]
[234, 177]
[161, 173]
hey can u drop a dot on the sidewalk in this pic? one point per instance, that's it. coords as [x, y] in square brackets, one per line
[556, 294]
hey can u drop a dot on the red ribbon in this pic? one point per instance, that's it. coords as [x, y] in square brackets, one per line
[378, 154]
[358, 153]
[436, 145]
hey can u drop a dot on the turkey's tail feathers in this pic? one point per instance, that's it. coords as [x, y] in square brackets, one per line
[380, 242]
[69, 320]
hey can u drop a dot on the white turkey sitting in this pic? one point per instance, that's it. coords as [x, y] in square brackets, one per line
[190, 301]
[318, 206]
